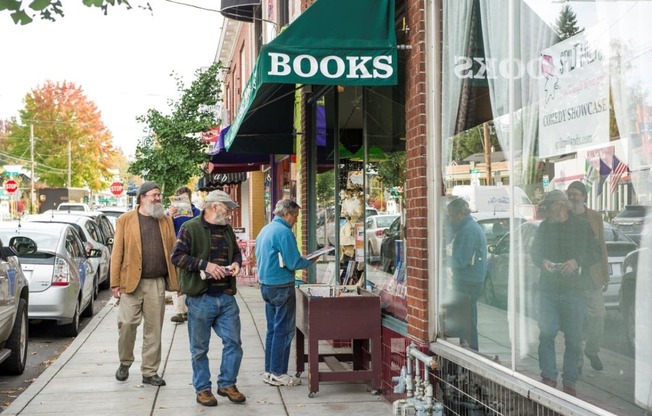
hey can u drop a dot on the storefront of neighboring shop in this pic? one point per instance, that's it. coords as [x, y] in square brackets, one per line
[561, 89]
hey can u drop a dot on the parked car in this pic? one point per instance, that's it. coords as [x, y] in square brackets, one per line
[73, 206]
[92, 237]
[375, 226]
[325, 232]
[388, 247]
[61, 277]
[14, 303]
[495, 224]
[102, 220]
[113, 213]
[632, 219]
[496, 284]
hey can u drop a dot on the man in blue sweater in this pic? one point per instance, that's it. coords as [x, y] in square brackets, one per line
[278, 258]
[468, 262]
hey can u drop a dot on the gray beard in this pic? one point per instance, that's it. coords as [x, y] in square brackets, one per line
[154, 209]
[221, 219]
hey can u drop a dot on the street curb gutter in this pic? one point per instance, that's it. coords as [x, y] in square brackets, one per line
[42, 380]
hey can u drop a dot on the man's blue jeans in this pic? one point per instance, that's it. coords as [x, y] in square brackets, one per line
[280, 310]
[560, 311]
[222, 314]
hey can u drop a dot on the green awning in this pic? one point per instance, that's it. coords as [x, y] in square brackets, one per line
[334, 42]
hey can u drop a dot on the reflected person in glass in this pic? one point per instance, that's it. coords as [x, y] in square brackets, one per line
[595, 310]
[564, 248]
[468, 263]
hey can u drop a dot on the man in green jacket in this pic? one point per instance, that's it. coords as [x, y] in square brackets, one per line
[208, 258]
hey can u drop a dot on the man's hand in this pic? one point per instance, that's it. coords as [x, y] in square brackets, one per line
[115, 292]
[172, 211]
[217, 272]
[569, 267]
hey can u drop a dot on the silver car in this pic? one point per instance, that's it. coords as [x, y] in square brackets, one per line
[61, 277]
[375, 226]
[91, 235]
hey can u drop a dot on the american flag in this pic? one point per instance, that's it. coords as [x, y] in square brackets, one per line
[616, 173]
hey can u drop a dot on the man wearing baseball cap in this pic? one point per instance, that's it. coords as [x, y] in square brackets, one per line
[209, 258]
[565, 249]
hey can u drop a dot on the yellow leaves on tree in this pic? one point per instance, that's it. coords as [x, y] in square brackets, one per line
[68, 134]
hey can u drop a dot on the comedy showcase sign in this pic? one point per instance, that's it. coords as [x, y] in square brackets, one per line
[573, 96]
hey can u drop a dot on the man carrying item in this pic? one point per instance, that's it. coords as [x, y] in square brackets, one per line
[209, 258]
[595, 310]
[565, 249]
[141, 272]
[468, 262]
[179, 300]
[277, 244]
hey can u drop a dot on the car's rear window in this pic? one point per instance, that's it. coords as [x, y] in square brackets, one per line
[44, 241]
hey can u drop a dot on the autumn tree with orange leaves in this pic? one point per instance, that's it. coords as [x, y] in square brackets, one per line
[60, 114]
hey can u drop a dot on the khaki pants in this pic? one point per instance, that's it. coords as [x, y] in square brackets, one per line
[179, 302]
[146, 302]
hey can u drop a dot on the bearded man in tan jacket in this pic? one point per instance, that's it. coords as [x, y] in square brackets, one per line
[141, 272]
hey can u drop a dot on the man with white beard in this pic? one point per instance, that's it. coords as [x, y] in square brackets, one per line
[141, 272]
[209, 258]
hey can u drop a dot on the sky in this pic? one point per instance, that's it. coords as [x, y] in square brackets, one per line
[122, 61]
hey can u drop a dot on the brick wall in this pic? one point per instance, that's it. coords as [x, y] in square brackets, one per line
[416, 186]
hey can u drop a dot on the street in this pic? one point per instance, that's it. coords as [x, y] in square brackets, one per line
[45, 345]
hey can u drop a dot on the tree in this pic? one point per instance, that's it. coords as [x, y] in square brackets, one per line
[173, 151]
[63, 119]
[24, 13]
[566, 23]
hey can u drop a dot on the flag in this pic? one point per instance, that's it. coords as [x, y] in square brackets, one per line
[618, 169]
[604, 174]
[589, 175]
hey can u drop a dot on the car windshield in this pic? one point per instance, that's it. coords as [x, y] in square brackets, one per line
[45, 241]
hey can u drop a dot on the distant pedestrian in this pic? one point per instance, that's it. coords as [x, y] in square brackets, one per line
[209, 259]
[278, 258]
[141, 272]
[179, 217]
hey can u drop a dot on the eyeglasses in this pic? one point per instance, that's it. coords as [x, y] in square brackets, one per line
[156, 195]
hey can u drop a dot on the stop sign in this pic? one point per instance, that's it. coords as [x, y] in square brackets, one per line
[11, 186]
[116, 188]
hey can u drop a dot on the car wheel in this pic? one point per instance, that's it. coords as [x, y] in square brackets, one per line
[489, 292]
[629, 313]
[17, 343]
[72, 329]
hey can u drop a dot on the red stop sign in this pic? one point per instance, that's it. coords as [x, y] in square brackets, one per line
[116, 188]
[11, 186]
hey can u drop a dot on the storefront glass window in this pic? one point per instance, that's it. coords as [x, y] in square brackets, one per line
[537, 95]
[384, 243]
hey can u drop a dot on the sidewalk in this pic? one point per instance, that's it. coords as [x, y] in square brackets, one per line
[82, 380]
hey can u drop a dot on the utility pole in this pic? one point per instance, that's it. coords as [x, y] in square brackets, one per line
[32, 194]
[69, 164]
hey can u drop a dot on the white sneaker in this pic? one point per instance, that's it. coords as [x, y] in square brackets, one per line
[266, 378]
[283, 380]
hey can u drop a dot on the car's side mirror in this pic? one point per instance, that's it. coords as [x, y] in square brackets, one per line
[94, 253]
[491, 248]
[109, 241]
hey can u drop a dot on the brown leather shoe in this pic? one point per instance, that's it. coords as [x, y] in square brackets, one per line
[570, 390]
[206, 398]
[232, 393]
[549, 382]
